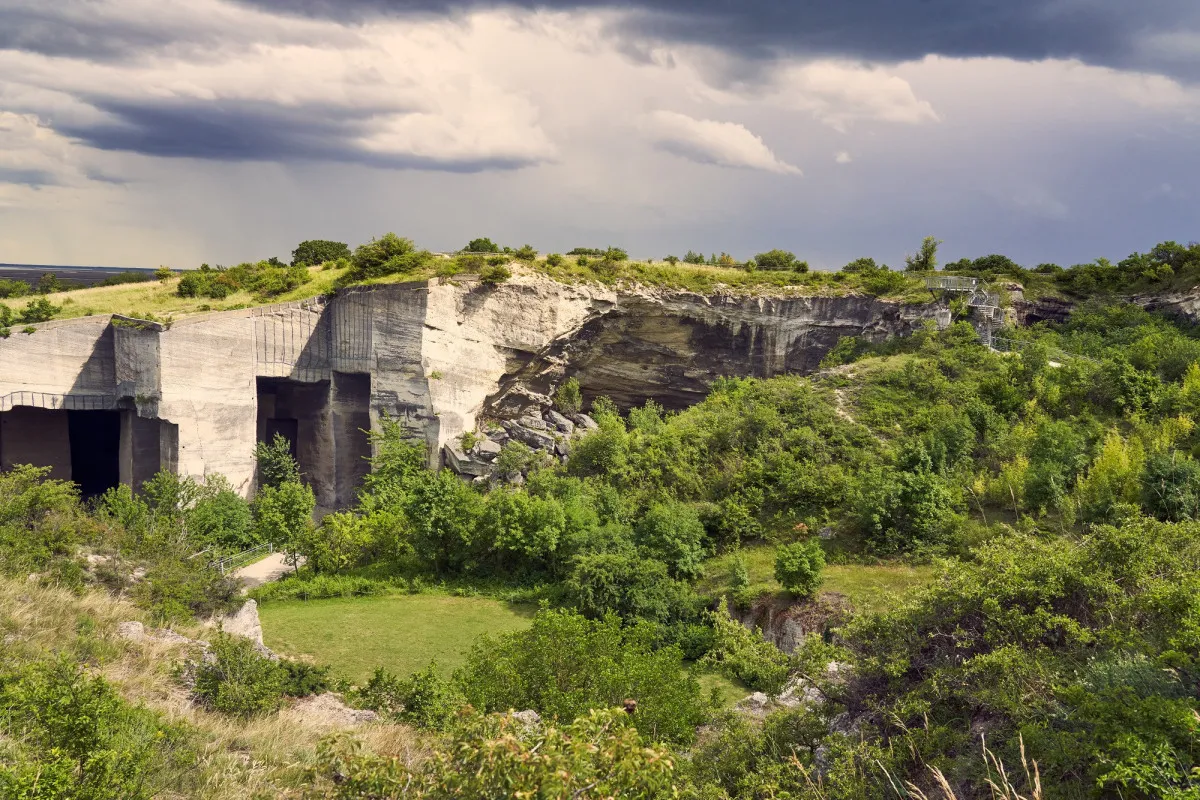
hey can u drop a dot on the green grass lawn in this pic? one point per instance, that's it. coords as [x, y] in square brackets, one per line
[868, 587]
[402, 633]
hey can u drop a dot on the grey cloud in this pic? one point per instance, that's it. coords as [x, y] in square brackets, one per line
[27, 177]
[252, 131]
[1116, 33]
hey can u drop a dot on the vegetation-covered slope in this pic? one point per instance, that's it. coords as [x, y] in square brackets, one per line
[1054, 500]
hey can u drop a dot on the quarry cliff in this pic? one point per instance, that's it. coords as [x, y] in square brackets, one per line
[108, 399]
[104, 399]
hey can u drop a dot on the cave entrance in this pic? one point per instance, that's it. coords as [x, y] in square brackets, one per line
[95, 445]
[300, 413]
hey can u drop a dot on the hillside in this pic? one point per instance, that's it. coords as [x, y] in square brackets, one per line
[922, 561]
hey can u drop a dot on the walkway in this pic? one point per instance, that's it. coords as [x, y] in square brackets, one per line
[271, 568]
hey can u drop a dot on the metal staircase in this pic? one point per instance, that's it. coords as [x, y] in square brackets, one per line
[986, 313]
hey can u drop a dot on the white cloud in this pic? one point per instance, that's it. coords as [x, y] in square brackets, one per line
[706, 141]
[840, 94]
[33, 154]
[842, 157]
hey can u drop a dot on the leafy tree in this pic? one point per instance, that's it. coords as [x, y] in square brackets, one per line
[780, 260]
[672, 260]
[319, 251]
[49, 283]
[860, 266]
[483, 245]
[1170, 487]
[283, 516]
[387, 255]
[495, 274]
[554, 260]
[632, 587]
[526, 253]
[692, 257]
[276, 465]
[672, 533]
[925, 259]
[444, 513]
[798, 567]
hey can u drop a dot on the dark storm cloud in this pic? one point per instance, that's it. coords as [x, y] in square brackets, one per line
[27, 177]
[249, 131]
[1105, 32]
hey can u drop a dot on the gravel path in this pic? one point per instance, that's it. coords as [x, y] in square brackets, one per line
[269, 569]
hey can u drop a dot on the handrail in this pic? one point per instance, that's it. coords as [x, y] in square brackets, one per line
[239, 560]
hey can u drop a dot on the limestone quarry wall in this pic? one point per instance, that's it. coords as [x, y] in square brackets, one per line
[433, 355]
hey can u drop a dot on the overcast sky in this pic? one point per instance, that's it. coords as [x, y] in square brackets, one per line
[146, 132]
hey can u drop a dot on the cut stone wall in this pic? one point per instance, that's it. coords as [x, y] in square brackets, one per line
[36, 436]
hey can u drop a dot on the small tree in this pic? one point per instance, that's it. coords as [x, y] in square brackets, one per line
[494, 274]
[798, 567]
[672, 260]
[163, 274]
[926, 258]
[692, 257]
[780, 261]
[569, 399]
[276, 465]
[483, 245]
[318, 251]
[526, 253]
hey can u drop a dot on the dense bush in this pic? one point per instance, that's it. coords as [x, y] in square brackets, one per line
[798, 567]
[565, 665]
[318, 251]
[68, 735]
[237, 679]
[743, 654]
[388, 255]
[597, 755]
[263, 279]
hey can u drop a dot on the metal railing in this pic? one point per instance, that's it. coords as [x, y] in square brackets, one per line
[238, 560]
[50, 400]
[951, 283]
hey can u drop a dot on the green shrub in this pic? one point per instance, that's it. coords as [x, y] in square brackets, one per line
[387, 255]
[69, 736]
[798, 567]
[494, 274]
[565, 665]
[672, 533]
[303, 680]
[555, 260]
[237, 679]
[483, 245]
[423, 698]
[780, 260]
[743, 654]
[39, 310]
[629, 586]
[568, 399]
[319, 251]
[597, 755]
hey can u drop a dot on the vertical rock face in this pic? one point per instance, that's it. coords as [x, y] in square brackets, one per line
[194, 397]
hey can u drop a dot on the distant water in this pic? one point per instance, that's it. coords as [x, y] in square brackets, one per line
[77, 275]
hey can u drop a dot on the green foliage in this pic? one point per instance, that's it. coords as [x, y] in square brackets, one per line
[318, 251]
[1087, 649]
[276, 465]
[925, 259]
[692, 257]
[495, 274]
[39, 310]
[631, 587]
[743, 654]
[568, 399]
[13, 288]
[482, 246]
[599, 755]
[388, 255]
[424, 698]
[283, 516]
[672, 533]
[40, 519]
[555, 260]
[565, 665]
[69, 736]
[263, 279]
[237, 679]
[525, 253]
[798, 567]
[780, 260]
